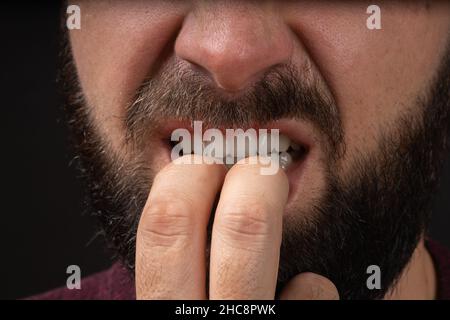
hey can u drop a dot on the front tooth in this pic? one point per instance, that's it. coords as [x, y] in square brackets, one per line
[237, 149]
[284, 143]
[264, 144]
[285, 160]
[197, 145]
[213, 149]
[230, 146]
[229, 161]
[249, 148]
[207, 151]
[210, 151]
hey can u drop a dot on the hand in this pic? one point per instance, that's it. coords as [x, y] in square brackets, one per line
[245, 245]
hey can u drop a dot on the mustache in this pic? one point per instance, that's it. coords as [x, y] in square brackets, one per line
[184, 94]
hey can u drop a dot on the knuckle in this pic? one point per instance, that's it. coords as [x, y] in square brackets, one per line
[166, 223]
[246, 221]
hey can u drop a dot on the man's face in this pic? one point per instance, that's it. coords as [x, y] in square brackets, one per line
[360, 102]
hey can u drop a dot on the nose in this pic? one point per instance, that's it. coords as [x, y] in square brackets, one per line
[234, 44]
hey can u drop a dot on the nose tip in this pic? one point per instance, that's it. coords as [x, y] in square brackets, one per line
[234, 48]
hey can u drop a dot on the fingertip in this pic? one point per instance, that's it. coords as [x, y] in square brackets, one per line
[309, 286]
[256, 166]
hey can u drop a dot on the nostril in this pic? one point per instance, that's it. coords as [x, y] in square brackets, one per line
[228, 78]
[236, 45]
[236, 82]
[199, 70]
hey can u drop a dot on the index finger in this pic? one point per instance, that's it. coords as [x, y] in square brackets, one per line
[171, 238]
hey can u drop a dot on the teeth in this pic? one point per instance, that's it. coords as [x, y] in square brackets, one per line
[230, 147]
[228, 152]
[195, 146]
[229, 160]
[265, 144]
[285, 160]
[285, 142]
[250, 147]
[235, 149]
[214, 149]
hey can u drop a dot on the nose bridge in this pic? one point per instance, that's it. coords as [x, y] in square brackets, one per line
[234, 43]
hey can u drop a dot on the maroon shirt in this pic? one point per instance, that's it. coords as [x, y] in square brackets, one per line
[117, 284]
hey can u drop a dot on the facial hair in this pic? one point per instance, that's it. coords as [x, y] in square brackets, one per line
[374, 216]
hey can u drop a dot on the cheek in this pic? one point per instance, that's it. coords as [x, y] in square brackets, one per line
[374, 75]
[120, 44]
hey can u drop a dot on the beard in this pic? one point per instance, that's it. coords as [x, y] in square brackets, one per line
[375, 215]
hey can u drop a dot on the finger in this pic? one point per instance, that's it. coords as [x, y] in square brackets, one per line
[171, 237]
[309, 286]
[246, 236]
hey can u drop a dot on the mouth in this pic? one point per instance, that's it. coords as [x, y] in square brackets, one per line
[295, 143]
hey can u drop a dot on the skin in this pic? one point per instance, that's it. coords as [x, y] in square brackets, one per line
[374, 77]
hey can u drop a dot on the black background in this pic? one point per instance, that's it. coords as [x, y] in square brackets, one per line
[43, 228]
